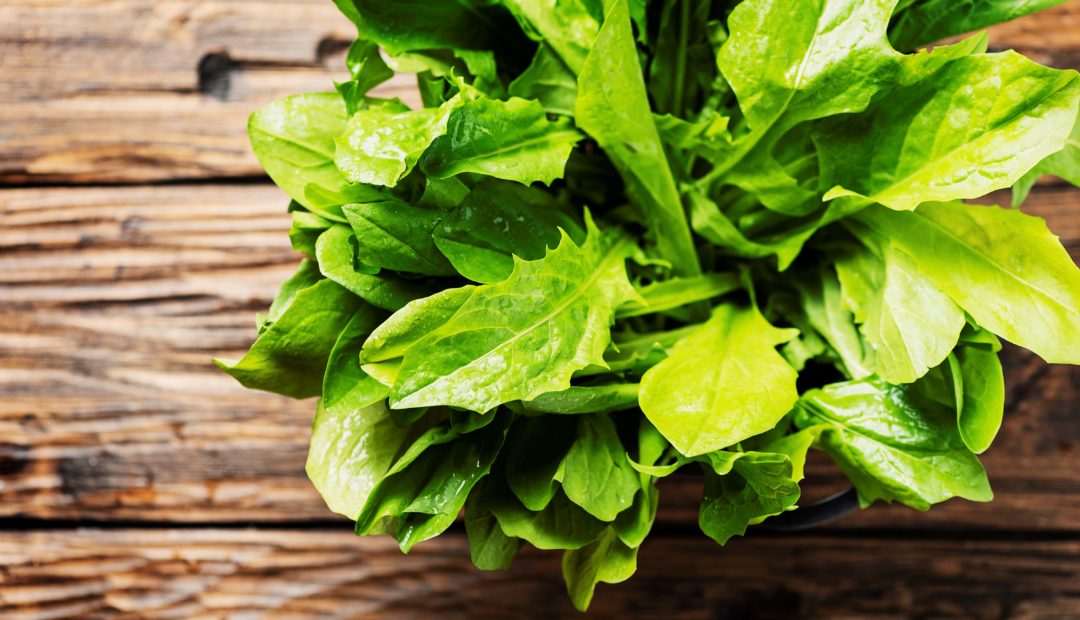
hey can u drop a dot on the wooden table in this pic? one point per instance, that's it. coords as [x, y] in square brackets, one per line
[138, 238]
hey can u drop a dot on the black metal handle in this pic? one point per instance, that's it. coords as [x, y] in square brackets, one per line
[818, 513]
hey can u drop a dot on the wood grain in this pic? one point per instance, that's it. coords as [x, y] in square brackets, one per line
[112, 303]
[289, 574]
[144, 90]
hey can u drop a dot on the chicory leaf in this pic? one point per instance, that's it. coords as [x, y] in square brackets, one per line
[723, 383]
[894, 443]
[512, 140]
[484, 355]
[1003, 267]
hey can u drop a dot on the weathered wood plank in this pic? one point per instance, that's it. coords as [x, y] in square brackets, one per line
[143, 90]
[140, 90]
[113, 301]
[290, 574]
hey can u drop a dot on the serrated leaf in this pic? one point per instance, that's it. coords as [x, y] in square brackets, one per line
[519, 338]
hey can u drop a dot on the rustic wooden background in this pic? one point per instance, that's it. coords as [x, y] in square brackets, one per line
[138, 238]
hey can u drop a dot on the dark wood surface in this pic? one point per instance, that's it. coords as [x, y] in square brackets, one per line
[136, 481]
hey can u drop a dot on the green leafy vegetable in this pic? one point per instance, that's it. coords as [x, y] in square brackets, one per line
[624, 237]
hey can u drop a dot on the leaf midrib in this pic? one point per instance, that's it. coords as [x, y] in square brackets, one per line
[580, 292]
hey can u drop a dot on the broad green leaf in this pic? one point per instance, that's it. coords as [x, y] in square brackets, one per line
[723, 383]
[289, 356]
[412, 323]
[336, 250]
[983, 396]
[585, 399]
[512, 140]
[491, 549]
[562, 524]
[605, 560]
[498, 221]
[910, 324]
[1064, 164]
[380, 147]
[307, 274]
[757, 485]
[345, 385]
[1001, 266]
[549, 81]
[595, 473]
[613, 108]
[817, 59]
[485, 354]
[894, 442]
[925, 21]
[293, 138]
[425, 489]
[976, 125]
[351, 450]
[535, 452]
[394, 235]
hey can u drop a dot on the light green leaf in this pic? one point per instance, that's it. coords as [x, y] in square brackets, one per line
[1064, 164]
[585, 399]
[512, 140]
[723, 383]
[605, 560]
[976, 125]
[894, 442]
[351, 450]
[519, 338]
[818, 59]
[613, 108]
[595, 473]
[983, 403]
[380, 147]
[293, 138]
[1003, 267]
[412, 323]
[911, 325]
